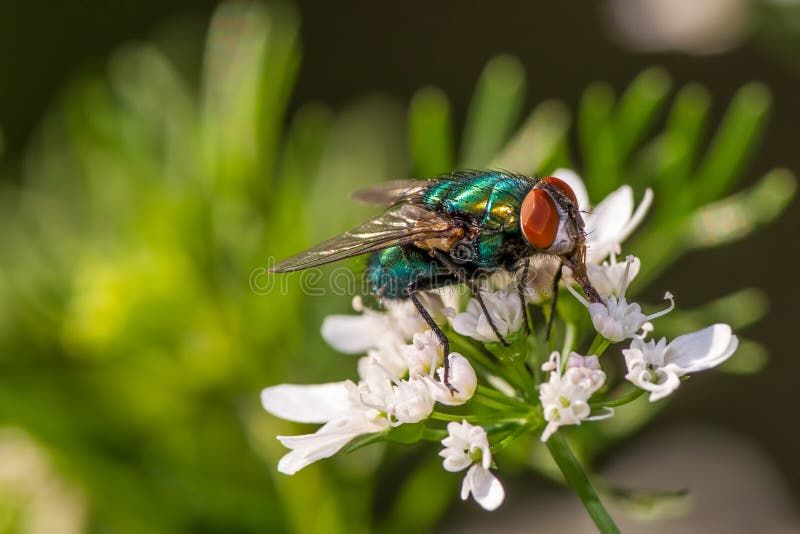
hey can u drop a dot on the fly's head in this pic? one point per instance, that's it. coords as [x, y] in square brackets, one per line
[551, 223]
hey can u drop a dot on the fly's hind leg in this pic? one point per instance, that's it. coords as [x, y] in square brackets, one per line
[473, 289]
[412, 294]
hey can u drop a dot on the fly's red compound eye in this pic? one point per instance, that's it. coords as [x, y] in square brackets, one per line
[539, 218]
[562, 186]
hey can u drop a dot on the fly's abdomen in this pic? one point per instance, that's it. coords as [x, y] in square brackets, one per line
[391, 271]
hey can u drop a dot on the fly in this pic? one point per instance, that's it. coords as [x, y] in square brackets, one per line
[452, 229]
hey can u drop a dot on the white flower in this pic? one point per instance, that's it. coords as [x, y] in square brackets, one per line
[380, 400]
[402, 401]
[337, 405]
[423, 354]
[616, 319]
[609, 278]
[390, 356]
[372, 329]
[505, 308]
[468, 446]
[462, 378]
[610, 222]
[657, 367]
[541, 273]
[565, 397]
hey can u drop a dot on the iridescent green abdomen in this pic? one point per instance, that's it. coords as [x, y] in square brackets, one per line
[390, 271]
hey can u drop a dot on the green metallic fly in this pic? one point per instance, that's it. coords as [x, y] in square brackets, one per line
[453, 229]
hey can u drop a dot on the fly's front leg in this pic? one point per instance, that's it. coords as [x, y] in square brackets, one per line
[473, 288]
[577, 265]
[521, 287]
[412, 294]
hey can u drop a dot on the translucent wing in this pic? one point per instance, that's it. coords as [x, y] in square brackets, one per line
[403, 224]
[391, 193]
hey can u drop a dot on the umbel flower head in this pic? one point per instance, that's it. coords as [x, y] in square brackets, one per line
[493, 399]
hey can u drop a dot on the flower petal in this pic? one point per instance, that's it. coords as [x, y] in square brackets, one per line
[703, 349]
[462, 378]
[485, 487]
[638, 215]
[326, 441]
[667, 381]
[352, 334]
[454, 460]
[605, 223]
[317, 403]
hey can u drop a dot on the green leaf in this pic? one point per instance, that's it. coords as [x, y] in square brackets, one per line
[431, 133]
[533, 149]
[406, 434]
[648, 505]
[250, 64]
[733, 144]
[598, 140]
[750, 358]
[740, 309]
[683, 135]
[362, 441]
[739, 215]
[638, 109]
[493, 112]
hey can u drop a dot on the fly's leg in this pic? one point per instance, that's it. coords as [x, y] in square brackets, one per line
[553, 303]
[577, 265]
[412, 294]
[521, 283]
[473, 288]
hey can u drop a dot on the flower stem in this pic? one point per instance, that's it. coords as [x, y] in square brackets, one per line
[625, 399]
[576, 477]
[501, 397]
[599, 345]
[569, 339]
[506, 441]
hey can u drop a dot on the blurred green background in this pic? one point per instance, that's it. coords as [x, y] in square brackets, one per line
[154, 155]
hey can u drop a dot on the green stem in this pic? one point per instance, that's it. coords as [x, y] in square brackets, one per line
[480, 419]
[492, 393]
[576, 477]
[525, 378]
[599, 345]
[506, 441]
[569, 339]
[494, 404]
[625, 399]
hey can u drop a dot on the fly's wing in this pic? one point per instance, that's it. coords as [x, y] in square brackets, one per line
[391, 193]
[403, 224]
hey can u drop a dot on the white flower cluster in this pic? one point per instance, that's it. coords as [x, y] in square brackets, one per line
[396, 385]
[400, 374]
[565, 397]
